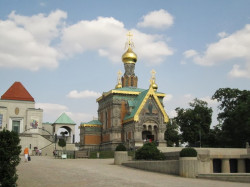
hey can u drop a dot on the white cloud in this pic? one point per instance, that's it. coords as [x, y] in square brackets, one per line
[83, 94]
[234, 47]
[40, 41]
[25, 41]
[239, 72]
[157, 19]
[222, 34]
[209, 101]
[190, 53]
[51, 111]
[167, 98]
[85, 35]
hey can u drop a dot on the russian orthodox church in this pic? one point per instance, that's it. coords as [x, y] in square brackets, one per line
[126, 114]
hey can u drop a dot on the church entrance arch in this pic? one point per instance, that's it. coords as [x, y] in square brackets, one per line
[150, 131]
[147, 135]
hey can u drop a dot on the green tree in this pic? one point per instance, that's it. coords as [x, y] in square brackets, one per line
[194, 122]
[171, 134]
[62, 143]
[9, 157]
[234, 116]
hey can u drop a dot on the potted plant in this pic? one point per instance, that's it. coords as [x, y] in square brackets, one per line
[121, 154]
[188, 162]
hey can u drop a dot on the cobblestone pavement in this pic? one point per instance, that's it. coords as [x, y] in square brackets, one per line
[50, 172]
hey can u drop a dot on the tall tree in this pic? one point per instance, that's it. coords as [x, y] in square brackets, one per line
[171, 134]
[234, 116]
[194, 122]
[9, 157]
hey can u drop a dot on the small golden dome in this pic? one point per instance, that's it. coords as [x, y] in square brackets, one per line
[129, 57]
[119, 85]
[155, 87]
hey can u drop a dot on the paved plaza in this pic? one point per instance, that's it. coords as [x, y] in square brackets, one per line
[47, 171]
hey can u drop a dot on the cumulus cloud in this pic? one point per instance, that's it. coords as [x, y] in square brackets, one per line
[85, 36]
[83, 94]
[190, 53]
[222, 34]
[157, 19]
[51, 111]
[209, 101]
[25, 41]
[167, 98]
[234, 47]
[40, 41]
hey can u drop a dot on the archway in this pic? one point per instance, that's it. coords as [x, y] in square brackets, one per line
[147, 136]
[65, 132]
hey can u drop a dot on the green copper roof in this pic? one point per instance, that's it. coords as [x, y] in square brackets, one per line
[64, 119]
[93, 122]
[132, 89]
[137, 103]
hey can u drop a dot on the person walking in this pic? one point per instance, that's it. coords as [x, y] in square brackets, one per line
[26, 154]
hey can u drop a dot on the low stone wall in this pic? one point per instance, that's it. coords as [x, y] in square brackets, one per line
[168, 167]
[233, 177]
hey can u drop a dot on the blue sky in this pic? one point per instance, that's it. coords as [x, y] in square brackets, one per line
[66, 53]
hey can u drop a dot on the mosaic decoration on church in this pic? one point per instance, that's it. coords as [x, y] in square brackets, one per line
[150, 107]
[34, 124]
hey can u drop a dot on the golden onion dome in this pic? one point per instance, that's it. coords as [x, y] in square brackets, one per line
[155, 86]
[119, 85]
[129, 57]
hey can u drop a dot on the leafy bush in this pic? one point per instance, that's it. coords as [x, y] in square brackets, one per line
[62, 143]
[188, 152]
[121, 147]
[9, 157]
[149, 151]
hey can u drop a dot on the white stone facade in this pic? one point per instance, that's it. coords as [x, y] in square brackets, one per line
[20, 115]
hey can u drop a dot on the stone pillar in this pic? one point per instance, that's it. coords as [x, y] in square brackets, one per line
[137, 136]
[241, 166]
[211, 166]
[225, 168]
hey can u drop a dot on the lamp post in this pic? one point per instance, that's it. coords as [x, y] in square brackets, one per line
[55, 140]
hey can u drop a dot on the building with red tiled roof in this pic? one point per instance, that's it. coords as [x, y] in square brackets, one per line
[17, 92]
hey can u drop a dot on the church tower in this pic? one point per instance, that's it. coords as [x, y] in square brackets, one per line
[129, 58]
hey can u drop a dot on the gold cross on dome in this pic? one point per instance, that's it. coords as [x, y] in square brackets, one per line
[119, 76]
[130, 35]
[153, 72]
[119, 73]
